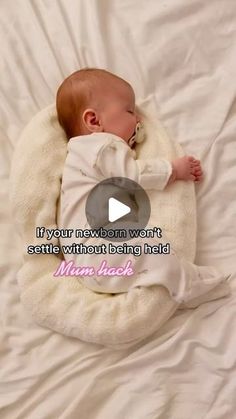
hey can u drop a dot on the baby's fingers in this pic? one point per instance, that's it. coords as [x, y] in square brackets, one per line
[198, 178]
[198, 172]
[195, 164]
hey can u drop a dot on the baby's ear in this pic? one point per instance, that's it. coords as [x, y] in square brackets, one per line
[91, 120]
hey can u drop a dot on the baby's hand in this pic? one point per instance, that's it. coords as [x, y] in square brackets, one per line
[187, 168]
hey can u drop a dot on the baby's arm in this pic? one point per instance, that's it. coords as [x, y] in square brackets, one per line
[185, 168]
[115, 159]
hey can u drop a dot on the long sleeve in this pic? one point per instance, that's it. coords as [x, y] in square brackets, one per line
[115, 159]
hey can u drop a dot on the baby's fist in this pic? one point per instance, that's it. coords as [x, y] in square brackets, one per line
[187, 168]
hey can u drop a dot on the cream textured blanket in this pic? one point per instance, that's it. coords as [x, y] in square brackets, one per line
[62, 303]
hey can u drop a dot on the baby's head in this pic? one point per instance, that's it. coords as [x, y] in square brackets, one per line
[94, 100]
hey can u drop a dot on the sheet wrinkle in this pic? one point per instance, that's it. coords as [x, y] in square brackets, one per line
[69, 27]
[210, 150]
[9, 101]
[196, 127]
[229, 114]
[24, 69]
[35, 65]
[39, 19]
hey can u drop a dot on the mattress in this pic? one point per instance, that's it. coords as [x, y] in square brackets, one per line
[181, 56]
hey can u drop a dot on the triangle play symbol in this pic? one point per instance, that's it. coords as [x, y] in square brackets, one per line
[116, 209]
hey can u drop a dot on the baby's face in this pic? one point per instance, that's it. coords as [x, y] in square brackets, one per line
[117, 113]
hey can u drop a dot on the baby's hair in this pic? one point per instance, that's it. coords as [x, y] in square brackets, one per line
[75, 94]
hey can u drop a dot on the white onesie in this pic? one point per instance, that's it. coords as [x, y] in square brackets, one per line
[91, 159]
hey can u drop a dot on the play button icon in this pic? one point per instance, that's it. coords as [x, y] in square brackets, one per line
[116, 209]
[117, 204]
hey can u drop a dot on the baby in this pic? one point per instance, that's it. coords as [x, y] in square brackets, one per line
[97, 112]
[95, 101]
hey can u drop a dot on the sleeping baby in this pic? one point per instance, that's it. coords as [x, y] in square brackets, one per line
[97, 111]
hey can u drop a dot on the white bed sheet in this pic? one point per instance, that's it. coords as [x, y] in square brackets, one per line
[181, 55]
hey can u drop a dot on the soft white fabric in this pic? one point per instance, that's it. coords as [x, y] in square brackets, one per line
[37, 166]
[35, 188]
[62, 303]
[94, 158]
[180, 56]
[52, 300]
